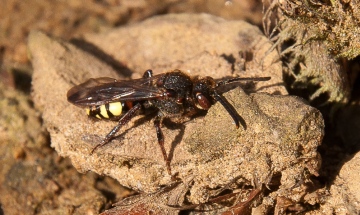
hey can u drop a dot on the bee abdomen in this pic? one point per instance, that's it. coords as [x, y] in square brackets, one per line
[105, 111]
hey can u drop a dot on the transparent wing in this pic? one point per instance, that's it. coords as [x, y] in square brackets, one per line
[98, 91]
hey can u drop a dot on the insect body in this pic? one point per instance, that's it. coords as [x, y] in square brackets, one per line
[173, 94]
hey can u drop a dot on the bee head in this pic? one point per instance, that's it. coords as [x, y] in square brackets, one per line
[203, 90]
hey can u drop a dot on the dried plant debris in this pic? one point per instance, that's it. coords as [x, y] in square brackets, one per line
[318, 74]
[314, 38]
[336, 23]
[218, 167]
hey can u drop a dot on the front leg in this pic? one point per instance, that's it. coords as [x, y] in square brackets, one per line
[160, 137]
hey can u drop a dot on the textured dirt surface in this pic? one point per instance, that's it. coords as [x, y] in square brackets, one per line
[36, 180]
[282, 132]
[72, 68]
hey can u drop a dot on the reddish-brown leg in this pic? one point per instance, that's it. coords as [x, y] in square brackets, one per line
[160, 137]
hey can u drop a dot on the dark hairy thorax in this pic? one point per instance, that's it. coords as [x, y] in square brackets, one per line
[179, 100]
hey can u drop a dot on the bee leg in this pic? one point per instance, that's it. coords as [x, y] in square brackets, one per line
[160, 137]
[123, 120]
[230, 109]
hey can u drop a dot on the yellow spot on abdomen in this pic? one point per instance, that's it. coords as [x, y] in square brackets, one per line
[115, 108]
[103, 111]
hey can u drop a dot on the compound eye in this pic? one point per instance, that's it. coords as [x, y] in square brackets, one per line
[203, 102]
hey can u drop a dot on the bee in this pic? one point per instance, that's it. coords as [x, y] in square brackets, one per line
[170, 95]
